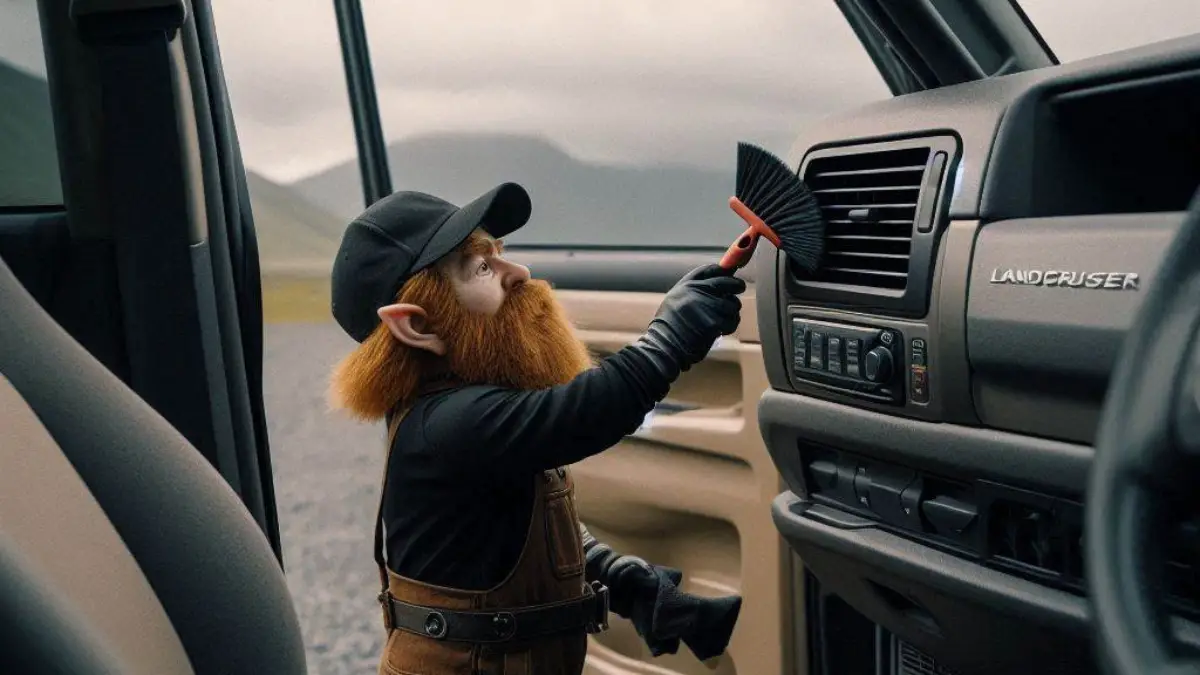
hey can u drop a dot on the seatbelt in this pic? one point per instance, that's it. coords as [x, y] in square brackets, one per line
[164, 274]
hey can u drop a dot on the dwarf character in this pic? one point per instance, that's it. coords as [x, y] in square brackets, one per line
[488, 395]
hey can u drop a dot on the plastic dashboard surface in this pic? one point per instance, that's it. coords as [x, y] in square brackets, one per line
[1002, 130]
[990, 117]
[1060, 169]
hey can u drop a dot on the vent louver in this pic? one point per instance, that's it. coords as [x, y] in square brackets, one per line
[913, 661]
[870, 203]
[883, 202]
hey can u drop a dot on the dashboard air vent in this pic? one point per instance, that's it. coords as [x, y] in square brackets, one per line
[882, 203]
[912, 661]
[870, 205]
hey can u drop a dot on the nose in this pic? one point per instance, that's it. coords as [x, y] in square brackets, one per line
[515, 274]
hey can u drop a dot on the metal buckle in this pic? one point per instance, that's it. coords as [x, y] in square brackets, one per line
[385, 603]
[435, 625]
[504, 624]
[599, 619]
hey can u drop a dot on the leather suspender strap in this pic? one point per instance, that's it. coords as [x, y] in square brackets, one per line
[384, 596]
[393, 424]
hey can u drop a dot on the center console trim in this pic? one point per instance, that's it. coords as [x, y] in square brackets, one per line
[1023, 461]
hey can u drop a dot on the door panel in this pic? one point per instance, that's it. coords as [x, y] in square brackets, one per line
[691, 490]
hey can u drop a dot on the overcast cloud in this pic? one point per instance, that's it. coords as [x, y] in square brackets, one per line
[639, 81]
[621, 80]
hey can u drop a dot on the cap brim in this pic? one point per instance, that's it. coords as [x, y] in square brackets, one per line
[500, 212]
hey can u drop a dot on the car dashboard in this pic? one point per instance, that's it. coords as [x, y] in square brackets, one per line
[935, 385]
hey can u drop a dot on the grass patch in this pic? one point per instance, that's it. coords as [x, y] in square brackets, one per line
[295, 299]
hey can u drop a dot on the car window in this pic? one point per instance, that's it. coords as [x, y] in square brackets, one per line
[1079, 29]
[287, 89]
[620, 118]
[28, 156]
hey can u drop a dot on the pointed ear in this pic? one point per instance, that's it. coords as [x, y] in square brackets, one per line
[408, 324]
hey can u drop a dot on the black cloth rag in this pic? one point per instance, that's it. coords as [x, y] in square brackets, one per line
[664, 615]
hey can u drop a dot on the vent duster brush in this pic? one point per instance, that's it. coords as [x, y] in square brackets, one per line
[776, 205]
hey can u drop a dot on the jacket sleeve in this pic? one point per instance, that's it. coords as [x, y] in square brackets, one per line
[492, 429]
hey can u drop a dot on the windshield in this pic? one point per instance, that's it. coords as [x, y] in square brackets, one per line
[1079, 29]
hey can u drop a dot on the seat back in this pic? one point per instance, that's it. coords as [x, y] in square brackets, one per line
[199, 552]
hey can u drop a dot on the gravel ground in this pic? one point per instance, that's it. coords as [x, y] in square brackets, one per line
[327, 476]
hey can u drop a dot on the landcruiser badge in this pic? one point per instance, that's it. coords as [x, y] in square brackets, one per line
[1116, 281]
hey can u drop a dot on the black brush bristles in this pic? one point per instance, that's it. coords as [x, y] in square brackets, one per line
[776, 194]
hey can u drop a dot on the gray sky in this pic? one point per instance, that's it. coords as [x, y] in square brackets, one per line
[617, 81]
[609, 80]
[645, 81]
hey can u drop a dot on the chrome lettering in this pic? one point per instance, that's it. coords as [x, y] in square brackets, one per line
[1117, 281]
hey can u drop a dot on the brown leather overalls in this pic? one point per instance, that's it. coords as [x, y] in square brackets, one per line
[535, 622]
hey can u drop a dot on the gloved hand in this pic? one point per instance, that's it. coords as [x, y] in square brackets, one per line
[701, 307]
[649, 596]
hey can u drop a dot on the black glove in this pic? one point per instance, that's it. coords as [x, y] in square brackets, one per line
[700, 308]
[649, 596]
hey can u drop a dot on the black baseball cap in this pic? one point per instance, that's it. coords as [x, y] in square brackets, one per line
[404, 233]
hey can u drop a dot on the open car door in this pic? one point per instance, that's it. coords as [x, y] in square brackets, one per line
[146, 256]
[139, 531]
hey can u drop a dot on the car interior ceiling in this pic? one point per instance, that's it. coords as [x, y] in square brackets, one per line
[935, 388]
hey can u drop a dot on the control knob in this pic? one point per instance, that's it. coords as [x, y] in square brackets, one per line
[877, 365]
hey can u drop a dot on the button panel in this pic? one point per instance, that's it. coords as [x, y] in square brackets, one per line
[847, 358]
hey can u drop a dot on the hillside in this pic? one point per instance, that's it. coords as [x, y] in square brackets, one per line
[293, 235]
[28, 158]
[574, 202]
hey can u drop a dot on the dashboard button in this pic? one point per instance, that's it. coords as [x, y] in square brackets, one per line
[816, 350]
[917, 352]
[800, 344]
[862, 486]
[918, 389]
[824, 473]
[852, 349]
[910, 504]
[853, 364]
[833, 359]
[949, 516]
[887, 486]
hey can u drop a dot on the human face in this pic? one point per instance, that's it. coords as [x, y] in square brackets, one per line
[481, 277]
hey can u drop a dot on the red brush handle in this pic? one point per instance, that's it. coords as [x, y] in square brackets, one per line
[740, 251]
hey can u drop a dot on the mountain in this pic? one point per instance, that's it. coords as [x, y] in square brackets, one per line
[574, 202]
[293, 234]
[28, 154]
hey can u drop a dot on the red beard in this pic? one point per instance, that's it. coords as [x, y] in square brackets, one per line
[527, 344]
